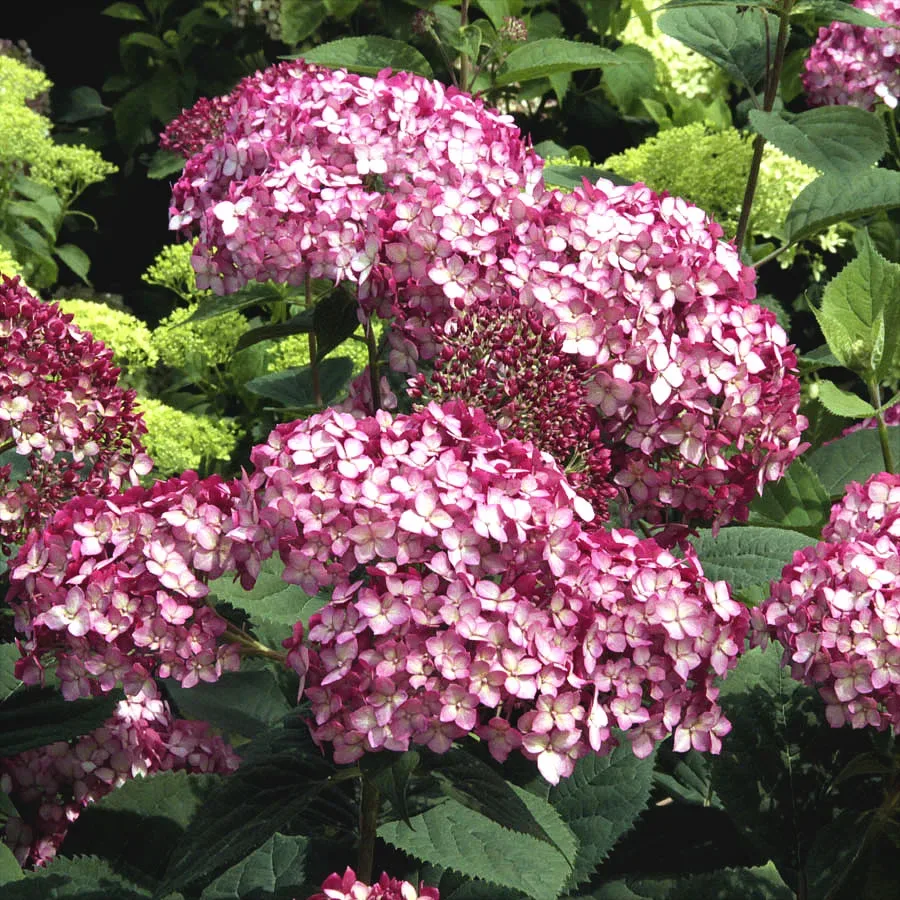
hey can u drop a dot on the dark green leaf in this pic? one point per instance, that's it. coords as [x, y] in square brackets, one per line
[79, 105]
[36, 717]
[495, 10]
[336, 319]
[252, 295]
[550, 150]
[601, 801]
[733, 39]
[746, 556]
[633, 79]
[145, 39]
[164, 163]
[571, 177]
[83, 878]
[456, 837]
[302, 323]
[76, 259]
[139, 824]
[300, 18]
[242, 703]
[33, 190]
[292, 388]
[852, 458]
[10, 870]
[688, 778]
[538, 59]
[29, 209]
[132, 116]
[369, 55]
[830, 199]
[797, 501]
[9, 684]
[824, 12]
[276, 871]
[391, 774]
[843, 403]
[126, 11]
[836, 139]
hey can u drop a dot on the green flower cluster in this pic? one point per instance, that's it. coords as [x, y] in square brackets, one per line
[171, 269]
[209, 344]
[126, 335]
[709, 167]
[8, 264]
[294, 351]
[178, 440]
[20, 83]
[680, 72]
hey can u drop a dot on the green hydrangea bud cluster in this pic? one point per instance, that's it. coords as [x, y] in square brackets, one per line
[126, 335]
[680, 72]
[260, 12]
[178, 440]
[709, 168]
[20, 83]
[8, 264]
[208, 344]
[294, 350]
[171, 269]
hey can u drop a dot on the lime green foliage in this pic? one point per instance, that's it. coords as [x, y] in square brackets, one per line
[709, 168]
[127, 336]
[294, 350]
[54, 175]
[8, 264]
[177, 440]
[172, 270]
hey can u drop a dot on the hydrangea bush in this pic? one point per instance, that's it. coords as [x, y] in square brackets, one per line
[553, 570]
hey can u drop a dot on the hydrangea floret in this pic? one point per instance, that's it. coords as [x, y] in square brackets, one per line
[349, 887]
[115, 587]
[854, 65]
[51, 785]
[205, 344]
[836, 609]
[61, 410]
[469, 595]
[271, 206]
[695, 383]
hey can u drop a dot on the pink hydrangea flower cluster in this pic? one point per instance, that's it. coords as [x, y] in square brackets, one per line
[504, 359]
[62, 410]
[311, 160]
[51, 785]
[115, 587]
[694, 382]
[836, 609]
[854, 65]
[468, 597]
[348, 887]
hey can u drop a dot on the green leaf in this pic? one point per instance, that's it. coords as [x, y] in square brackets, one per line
[831, 199]
[456, 837]
[601, 801]
[571, 177]
[300, 18]
[252, 295]
[843, 403]
[126, 11]
[276, 870]
[633, 79]
[139, 824]
[336, 319]
[747, 556]
[391, 773]
[83, 878]
[242, 703]
[736, 41]
[837, 139]
[30, 209]
[852, 458]
[797, 501]
[688, 777]
[132, 117]
[9, 684]
[824, 12]
[40, 716]
[10, 870]
[33, 190]
[76, 259]
[538, 59]
[369, 55]
[79, 105]
[279, 783]
[292, 388]
[302, 323]
[496, 11]
[270, 598]
[164, 163]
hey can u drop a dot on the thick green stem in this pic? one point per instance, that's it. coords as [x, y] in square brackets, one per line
[886, 452]
[773, 77]
[464, 60]
[7, 446]
[368, 826]
[893, 139]
[313, 353]
[374, 380]
[252, 647]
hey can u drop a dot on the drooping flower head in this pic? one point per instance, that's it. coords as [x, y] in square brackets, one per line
[115, 587]
[51, 785]
[63, 412]
[468, 596]
[348, 887]
[696, 384]
[856, 66]
[836, 609]
[310, 160]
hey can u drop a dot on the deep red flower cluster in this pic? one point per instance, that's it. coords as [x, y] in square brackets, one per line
[467, 597]
[348, 887]
[190, 132]
[115, 587]
[62, 411]
[854, 65]
[51, 785]
[836, 608]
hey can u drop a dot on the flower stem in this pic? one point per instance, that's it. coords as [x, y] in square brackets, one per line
[7, 446]
[313, 353]
[773, 76]
[464, 60]
[373, 366]
[368, 826]
[252, 647]
[886, 452]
